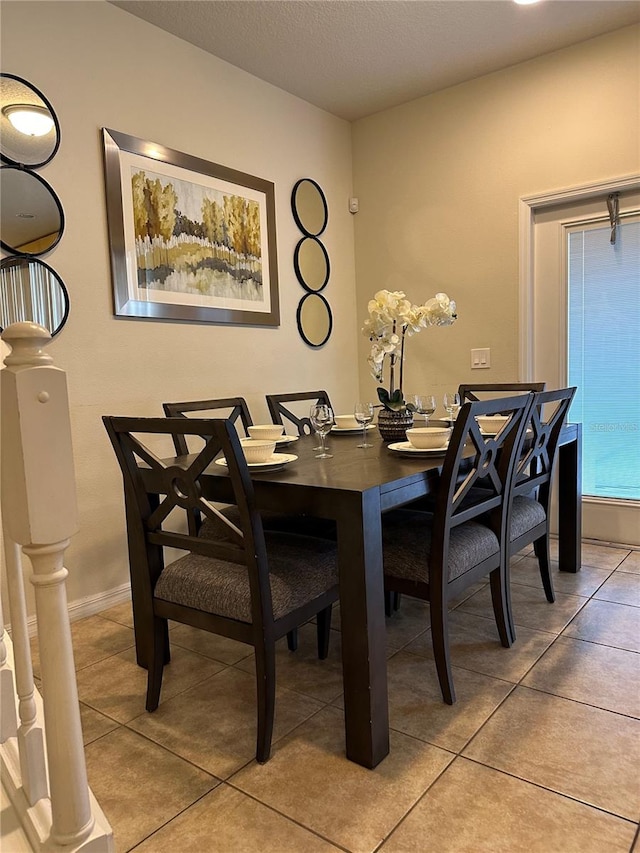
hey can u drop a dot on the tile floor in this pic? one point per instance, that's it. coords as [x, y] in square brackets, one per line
[540, 753]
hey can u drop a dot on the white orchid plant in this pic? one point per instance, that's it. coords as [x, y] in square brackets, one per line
[392, 318]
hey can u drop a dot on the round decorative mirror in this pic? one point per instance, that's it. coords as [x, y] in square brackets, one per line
[311, 264]
[314, 319]
[309, 207]
[29, 129]
[31, 291]
[31, 216]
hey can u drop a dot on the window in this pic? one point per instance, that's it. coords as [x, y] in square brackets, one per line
[604, 353]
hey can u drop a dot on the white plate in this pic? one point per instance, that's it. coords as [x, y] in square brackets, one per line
[405, 447]
[278, 460]
[351, 430]
[286, 439]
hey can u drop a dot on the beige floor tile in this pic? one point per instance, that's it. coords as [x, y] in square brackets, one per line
[214, 724]
[94, 724]
[598, 556]
[621, 587]
[631, 563]
[93, 639]
[585, 582]
[228, 821]
[588, 672]
[475, 645]
[139, 785]
[475, 808]
[530, 607]
[121, 613]
[406, 623]
[608, 623]
[208, 644]
[117, 686]
[302, 671]
[416, 707]
[560, 744]
[310, 780]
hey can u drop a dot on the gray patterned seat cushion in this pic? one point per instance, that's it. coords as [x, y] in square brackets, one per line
[526, 513]
[406, 540]
[300, 570]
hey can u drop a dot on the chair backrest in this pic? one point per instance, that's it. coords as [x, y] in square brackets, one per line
[158, 494]
[479, 471]
[490, 390]
[301, 422]
[236, 406]
[537, 463]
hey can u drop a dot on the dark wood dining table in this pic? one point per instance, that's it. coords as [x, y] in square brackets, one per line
[355, 487]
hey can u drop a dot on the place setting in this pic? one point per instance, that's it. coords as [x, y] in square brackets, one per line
[259, 448]
[423, 441]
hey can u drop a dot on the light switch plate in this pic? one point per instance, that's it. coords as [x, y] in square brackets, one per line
[481, 358]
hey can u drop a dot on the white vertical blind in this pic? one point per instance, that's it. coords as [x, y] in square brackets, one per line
[604, 355]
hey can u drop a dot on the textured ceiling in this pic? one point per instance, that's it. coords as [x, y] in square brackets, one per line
[357, 57]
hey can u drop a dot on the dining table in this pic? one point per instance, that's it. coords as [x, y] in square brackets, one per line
[354, 488]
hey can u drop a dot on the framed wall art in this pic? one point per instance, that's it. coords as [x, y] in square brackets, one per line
[190, 240]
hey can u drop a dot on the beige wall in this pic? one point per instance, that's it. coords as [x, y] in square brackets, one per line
[439, 181]
[101, 67]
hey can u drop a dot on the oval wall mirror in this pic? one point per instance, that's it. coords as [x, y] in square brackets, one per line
[311, 264]
[314, 319]
[29, 128]
[309, 207]
[31, 216]
[31, 291]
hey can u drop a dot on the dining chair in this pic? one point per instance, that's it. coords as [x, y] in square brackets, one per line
[281, 414]
[530, 509]
[436, 557]
[214, 528]
[254, 586]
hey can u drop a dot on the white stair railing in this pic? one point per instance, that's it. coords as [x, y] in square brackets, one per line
[46, 784]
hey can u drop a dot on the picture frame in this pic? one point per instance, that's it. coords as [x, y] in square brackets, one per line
[189, 240]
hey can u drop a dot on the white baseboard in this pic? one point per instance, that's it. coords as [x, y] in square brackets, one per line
[88, 606]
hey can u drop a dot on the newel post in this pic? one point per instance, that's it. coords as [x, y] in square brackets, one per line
[39, 512]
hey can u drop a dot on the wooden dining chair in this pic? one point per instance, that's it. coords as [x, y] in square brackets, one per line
[529, 514]
[436, 557]
[281, 414]
[236, 408]
[253, 586]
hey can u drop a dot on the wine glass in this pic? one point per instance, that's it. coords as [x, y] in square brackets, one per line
[322, 420]
[424, 404]
[452, 405]
[363, 413]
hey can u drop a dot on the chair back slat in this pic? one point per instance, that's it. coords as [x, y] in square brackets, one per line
[280, 414]
[489, 390]
[238, 411]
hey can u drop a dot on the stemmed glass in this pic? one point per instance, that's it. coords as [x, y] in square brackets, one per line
[424, 404]
[321, 417]
[452, 405]
[363, 413]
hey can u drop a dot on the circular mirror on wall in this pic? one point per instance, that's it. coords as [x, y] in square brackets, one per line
[31, 216]
[314, 319]
[31, 291]
[29, 129]
[309, 207]
[311, 264]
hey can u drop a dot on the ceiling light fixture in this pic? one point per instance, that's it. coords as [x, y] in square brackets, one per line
[30, 119]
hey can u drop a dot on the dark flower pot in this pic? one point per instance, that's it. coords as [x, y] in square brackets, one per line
[393, 426]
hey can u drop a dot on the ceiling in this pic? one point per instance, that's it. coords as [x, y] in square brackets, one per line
[358, 57]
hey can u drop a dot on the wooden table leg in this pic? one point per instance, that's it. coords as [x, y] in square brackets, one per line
[570, 503]
[363, 629]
